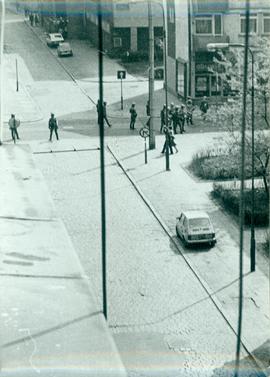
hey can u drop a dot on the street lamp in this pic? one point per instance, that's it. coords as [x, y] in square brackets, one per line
[215, 46]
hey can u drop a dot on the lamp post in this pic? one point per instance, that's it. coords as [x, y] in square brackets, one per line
[215, 46]
[2, 70]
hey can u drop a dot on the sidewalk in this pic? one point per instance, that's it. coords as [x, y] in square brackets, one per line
[167, 193]
[51, 324]
[18, 102]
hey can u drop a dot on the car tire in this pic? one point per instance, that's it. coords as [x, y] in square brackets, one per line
[176, 231]
[71, 54]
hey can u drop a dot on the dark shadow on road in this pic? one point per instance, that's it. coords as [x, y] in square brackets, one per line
[199, 248]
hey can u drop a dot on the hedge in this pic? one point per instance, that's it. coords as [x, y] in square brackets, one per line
[230, 199]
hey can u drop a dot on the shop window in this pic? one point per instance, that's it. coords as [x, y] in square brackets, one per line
[202, 86]
[181, 78]
[209, 25]
[266, 23]
[117, 42]
[252, 24]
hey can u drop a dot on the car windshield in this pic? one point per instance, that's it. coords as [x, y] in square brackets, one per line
[201, 222]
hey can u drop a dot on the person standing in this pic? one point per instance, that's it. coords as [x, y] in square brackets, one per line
[53, 127]
[190, 109]
[204, 106]
[162, 118]
[13, 125]
[104, 114]
[31, 18]
[175, 119]
[182, 119]
[133, 116]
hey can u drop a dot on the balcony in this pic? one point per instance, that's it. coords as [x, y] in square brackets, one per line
[200, 41]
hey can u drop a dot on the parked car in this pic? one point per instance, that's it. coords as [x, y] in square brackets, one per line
[64, 49]
[195, 227]
[54, 39]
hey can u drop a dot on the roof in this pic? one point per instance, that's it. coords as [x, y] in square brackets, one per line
[195, 214]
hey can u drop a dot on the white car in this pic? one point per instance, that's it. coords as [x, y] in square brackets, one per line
[54, 39]
[64, 49]
[195, 227]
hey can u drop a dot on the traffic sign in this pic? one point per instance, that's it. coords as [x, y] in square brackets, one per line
[121, 75]
[144, 132]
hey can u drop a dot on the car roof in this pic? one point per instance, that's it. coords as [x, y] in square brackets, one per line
[195, 214]
[59, 35]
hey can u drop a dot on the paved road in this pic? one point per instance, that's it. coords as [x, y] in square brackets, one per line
[150, 288]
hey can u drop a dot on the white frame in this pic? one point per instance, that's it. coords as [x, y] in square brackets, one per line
[265, 16]
[252, 17]
[213, 26]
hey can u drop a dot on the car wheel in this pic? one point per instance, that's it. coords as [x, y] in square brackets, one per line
[71, 54]
[176, 231]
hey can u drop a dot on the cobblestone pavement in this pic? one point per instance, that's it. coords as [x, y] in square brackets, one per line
[151, 290]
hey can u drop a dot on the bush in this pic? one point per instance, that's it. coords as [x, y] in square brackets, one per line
[217, 164]
[230, 199]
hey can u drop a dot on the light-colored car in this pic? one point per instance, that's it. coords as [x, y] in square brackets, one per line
[64, 49]
[195, 227]
[54, 39]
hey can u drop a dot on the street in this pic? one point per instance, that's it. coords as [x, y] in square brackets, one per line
[164, 320]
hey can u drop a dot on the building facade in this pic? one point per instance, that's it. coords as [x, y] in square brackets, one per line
[125, 24]
[194, 71]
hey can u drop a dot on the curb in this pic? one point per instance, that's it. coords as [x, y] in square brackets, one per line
[171, 236]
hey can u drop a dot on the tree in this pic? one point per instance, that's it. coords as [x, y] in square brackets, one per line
[229, 66]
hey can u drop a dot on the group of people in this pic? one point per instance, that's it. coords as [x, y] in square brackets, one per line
[15, 123]
[34, 19]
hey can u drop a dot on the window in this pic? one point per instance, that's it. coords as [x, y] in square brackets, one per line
[252, 25]
[117, 42]
[209, 25]
[266, 23]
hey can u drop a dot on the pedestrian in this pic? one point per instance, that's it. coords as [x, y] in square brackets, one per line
[31, 18]
[148, 108]
[172, 141]
[182, 118]
[163, 118]
[13, 125]
[53, 127]
[175, 119]
[204, 106]
[104, 113]
[167, 143]
[36, 19]
[133, 116]
[189, 111]
[170, 113]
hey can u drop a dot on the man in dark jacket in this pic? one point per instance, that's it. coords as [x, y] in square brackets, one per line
[133, 116]
[53, 127]
[204, 107]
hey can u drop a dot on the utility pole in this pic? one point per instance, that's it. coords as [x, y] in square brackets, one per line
[152, 141]
[2, 70]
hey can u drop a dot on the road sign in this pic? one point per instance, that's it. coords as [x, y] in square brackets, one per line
[144, 132]
[121, 75]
